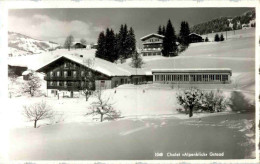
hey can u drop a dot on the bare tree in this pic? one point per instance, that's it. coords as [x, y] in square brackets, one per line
[38, 111]
[137, 61]
[88, 78]
[103, 107]
[11, 80]
[32, 85]
[68, 42]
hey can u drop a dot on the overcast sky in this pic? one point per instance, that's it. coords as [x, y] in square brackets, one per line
[56, 24]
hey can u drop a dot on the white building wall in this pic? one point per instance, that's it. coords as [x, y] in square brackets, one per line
[103, 84]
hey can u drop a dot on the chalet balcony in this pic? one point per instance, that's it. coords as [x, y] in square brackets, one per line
[69, 88]
[63, 78]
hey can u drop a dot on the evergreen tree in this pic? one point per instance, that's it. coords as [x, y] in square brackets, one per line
[131, 43]
[216, 39]
[109, 45]
[169, 41]
[160, 30]
[207, 39]
[125, 42]
[184, 33]
[222, 37]
[101, 47]
[163, 31]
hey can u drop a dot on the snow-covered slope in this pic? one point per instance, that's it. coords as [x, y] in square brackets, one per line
[20, 45]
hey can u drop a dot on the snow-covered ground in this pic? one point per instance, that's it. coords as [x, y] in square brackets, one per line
[150, 99]
[133, 102]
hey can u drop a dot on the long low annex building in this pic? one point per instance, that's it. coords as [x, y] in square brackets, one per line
[208, 75]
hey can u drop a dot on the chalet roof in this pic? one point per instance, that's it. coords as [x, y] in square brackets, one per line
[100, 65]
[153, 34]
[194, 70]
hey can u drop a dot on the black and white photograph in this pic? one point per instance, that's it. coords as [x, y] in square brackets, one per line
[132, 83]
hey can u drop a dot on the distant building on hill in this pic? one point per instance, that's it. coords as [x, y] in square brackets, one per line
[94, 46]
[78, 45]
[27, 74]
[17, 69]
[194, 38]
[152, 44]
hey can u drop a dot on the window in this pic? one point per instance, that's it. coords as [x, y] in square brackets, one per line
[217, 77]
[65, 83]
[90, 73]
[65, 65]
[65, 73]
[51, 83]
[69, 73]
[102, 83]
[90, 84]
[58, 73]
[82, 73]
[199, 78]
[58, 83]
[206, 78]
[82, 84]
[224, 77]
[70, 83]
[74, 73]
[51, 74]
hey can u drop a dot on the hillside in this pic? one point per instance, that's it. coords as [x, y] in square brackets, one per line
[20, 45]
[245, 20]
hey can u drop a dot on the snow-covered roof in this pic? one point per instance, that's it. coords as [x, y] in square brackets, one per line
[195, 34]
[194, 70]
[26, 72]
[17, 64]
[100, 65]
[153, 34]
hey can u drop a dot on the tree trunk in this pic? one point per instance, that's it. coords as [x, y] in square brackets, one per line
[35, 123]
[191, 112]
[101, 117]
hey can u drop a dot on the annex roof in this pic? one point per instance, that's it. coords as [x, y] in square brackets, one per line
[153, 34]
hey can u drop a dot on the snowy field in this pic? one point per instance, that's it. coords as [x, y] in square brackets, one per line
[132, 101]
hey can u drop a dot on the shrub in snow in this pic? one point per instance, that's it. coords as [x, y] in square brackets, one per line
[239, 103]
[190, 99]
[32, 85]
[38, 111]
[103, 107]
[216, 39]
[214, 101]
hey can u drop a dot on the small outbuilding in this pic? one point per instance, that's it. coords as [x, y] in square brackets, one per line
[27, 74]
[194, 38]
[78, 45]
